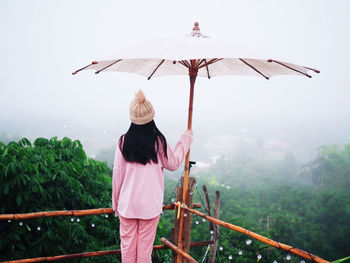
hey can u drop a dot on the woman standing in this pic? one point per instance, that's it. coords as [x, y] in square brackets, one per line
[138, 183]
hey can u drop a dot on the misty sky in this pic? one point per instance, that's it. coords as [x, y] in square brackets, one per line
[42, 42]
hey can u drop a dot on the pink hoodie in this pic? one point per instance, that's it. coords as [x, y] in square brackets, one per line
[138, 189]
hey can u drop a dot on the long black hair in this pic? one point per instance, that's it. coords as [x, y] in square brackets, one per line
[141, 143]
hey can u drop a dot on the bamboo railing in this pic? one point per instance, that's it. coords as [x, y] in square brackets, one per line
[85, 212]
[261, 238]
[94, 254]
[177, 250]
[166, 245]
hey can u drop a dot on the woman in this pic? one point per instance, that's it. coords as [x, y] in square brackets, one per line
[138, 184]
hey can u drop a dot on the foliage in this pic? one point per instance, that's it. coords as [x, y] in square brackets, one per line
[310, 217]
[53, 175]
[331, 169]
[307, 205]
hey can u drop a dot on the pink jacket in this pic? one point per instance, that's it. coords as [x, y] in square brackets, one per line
[138, 189]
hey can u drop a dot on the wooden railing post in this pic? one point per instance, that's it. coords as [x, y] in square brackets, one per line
[175, 233]
[207, 206]
[214, 246]
[186, 236]
[214, 229]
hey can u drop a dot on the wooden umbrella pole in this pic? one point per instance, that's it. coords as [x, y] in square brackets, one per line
[261, 238]
[193, 75]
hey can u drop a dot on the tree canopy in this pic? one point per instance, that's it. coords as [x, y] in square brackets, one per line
[307, 205]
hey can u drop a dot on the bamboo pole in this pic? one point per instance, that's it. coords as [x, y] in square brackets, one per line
[65, 257]
[175, 238]
[186, 234]
[207, 206]
[214, 246]
[261, 238]
[97, 211]
[187, 220]
[85, 212]
[177, 250]
[96, 253]
[193, 70]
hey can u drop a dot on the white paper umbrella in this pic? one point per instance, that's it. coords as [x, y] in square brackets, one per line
[193, 55]
[172, 56]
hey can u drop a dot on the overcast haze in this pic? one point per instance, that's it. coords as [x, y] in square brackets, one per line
[42, 42]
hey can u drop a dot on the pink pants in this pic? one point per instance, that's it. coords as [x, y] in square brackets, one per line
[137, 237]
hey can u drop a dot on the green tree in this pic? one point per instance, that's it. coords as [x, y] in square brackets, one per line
[53, 174]
[331, 169]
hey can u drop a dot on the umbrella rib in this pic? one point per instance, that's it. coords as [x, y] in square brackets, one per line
[210, 62]
[315, 70]
[155, 69]
[201, 61]
[92, 63]
[186, 63]
[245, 62]
[206, 66]
[282, 64]
[193, 63]
[182, 63]
[98, 71]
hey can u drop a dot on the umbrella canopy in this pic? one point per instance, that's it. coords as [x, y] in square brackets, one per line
[172, 56]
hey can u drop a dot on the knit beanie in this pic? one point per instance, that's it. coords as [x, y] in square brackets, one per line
[141, 110]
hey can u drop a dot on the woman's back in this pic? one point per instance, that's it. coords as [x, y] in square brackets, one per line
[138, 184]
[142, 186]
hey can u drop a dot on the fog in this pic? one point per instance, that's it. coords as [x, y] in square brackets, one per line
[42, 42]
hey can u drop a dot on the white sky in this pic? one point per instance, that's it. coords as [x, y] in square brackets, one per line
[42, 42]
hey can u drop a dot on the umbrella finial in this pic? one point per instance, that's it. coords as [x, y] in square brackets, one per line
[196, 24]
[196, 32]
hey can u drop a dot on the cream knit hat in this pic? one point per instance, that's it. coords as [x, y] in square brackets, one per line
[141, 110]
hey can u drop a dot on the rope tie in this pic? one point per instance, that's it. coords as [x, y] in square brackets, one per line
[279, 246]
[290, 248]
[177, 205]
[312, 259]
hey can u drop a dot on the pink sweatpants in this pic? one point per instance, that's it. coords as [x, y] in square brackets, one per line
[137, 237]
